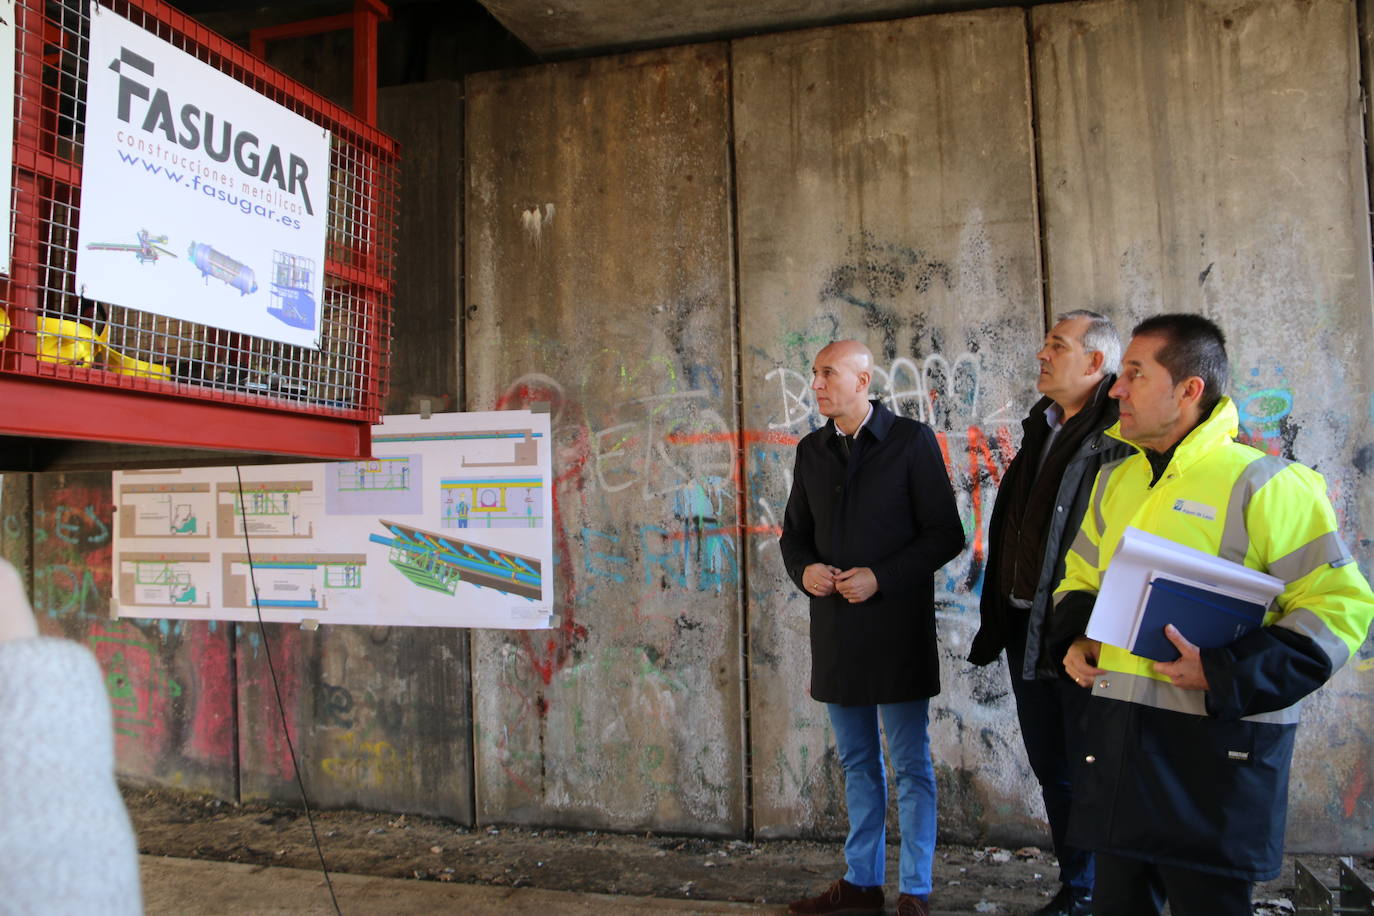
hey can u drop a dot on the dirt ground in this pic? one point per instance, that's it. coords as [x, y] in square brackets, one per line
[967, 879]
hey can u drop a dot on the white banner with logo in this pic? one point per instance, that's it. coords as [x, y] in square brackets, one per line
[200, 199]
[6, 133]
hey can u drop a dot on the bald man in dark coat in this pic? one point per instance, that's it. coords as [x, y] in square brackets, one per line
[870, 519]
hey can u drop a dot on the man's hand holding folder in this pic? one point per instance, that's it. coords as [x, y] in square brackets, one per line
[1187, 671]
[1165, 601]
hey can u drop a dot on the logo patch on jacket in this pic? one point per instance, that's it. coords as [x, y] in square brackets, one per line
[1196, 509]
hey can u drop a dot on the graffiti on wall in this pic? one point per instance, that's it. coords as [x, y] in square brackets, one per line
[169, 687]
[645, 507]
[938, 391]
[71, 538]
[969, 379]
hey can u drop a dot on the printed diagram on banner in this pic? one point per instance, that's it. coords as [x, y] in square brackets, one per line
[449, 524]
[200, 199]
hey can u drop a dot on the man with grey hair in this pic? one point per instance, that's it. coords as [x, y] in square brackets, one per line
[1039, 506]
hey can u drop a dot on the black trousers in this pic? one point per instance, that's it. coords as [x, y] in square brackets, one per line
[1131, 887]
[1050, 713]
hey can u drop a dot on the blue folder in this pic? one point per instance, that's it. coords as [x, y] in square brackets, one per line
[1206, 618]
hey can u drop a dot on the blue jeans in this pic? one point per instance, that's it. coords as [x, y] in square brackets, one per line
[1051, 714]
[865, 791]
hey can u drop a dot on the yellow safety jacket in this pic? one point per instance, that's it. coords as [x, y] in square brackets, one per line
[1199, 778]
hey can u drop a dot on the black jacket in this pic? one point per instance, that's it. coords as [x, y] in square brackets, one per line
[1000, 622]
[890, 508]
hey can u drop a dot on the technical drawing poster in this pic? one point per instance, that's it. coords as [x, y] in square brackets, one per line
[450, 524]
[200, 198]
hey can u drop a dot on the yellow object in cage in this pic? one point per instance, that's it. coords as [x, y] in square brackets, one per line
[67, 342]
[123, 364]
[74, 343]
[4, 325]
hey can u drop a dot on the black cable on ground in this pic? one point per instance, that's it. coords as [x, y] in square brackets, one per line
[281, 707]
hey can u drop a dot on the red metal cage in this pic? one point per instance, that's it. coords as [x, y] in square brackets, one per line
[86, 384]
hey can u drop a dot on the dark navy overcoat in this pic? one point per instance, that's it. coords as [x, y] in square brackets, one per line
[889, 507]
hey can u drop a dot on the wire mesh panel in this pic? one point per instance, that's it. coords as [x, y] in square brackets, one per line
[53, 334]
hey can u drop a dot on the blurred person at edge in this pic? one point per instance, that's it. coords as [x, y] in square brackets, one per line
[66, 844]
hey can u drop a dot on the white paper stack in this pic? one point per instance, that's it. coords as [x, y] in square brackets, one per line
[1141, 558]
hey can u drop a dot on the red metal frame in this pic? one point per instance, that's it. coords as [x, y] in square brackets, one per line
[40, 408]
[56, 400]
[363, 21]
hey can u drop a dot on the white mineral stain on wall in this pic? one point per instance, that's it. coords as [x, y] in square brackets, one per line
[534, 220]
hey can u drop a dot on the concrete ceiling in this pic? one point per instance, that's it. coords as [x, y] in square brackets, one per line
[553, 29]
[565, 28]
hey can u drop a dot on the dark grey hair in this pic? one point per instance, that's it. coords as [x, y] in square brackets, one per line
[1193, 345]
[1100, 337]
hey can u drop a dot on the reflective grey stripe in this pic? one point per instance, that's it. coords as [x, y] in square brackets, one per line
[1310, 625]
[1328, 549]
[1082, 546]
[1136, 688]
[1146, 691]
[1286, 716]
[1085, 548]
[1235, 539]
[1103, 476]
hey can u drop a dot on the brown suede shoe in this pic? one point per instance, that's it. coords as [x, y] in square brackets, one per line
[841, 898]
[911, 905]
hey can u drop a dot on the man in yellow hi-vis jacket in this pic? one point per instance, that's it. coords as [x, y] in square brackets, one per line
[1185, 780]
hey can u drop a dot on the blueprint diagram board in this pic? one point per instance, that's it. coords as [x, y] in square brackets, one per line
[448, 524]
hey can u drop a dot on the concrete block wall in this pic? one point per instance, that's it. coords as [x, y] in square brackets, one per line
[886, 192]
[654, 246]
[600, 283]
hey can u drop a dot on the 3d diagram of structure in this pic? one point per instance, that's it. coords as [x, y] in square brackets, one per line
[147, 251]
[391, 474]
[438, 562]
[291, 279]
[164, 580]
[157, 510]
[492, 502]
[219, 265]
[290, 580]
[270, 509]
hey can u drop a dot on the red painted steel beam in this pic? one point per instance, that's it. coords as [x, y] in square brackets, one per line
[258, 39]
[28, 194]
[363, 21]
[45, 409]
[366, 14]
[28, 159]
[255, 73]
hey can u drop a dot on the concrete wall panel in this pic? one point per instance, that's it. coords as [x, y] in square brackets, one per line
[886, 192]
[600, 283]
[1208, 157]
[379, 717]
